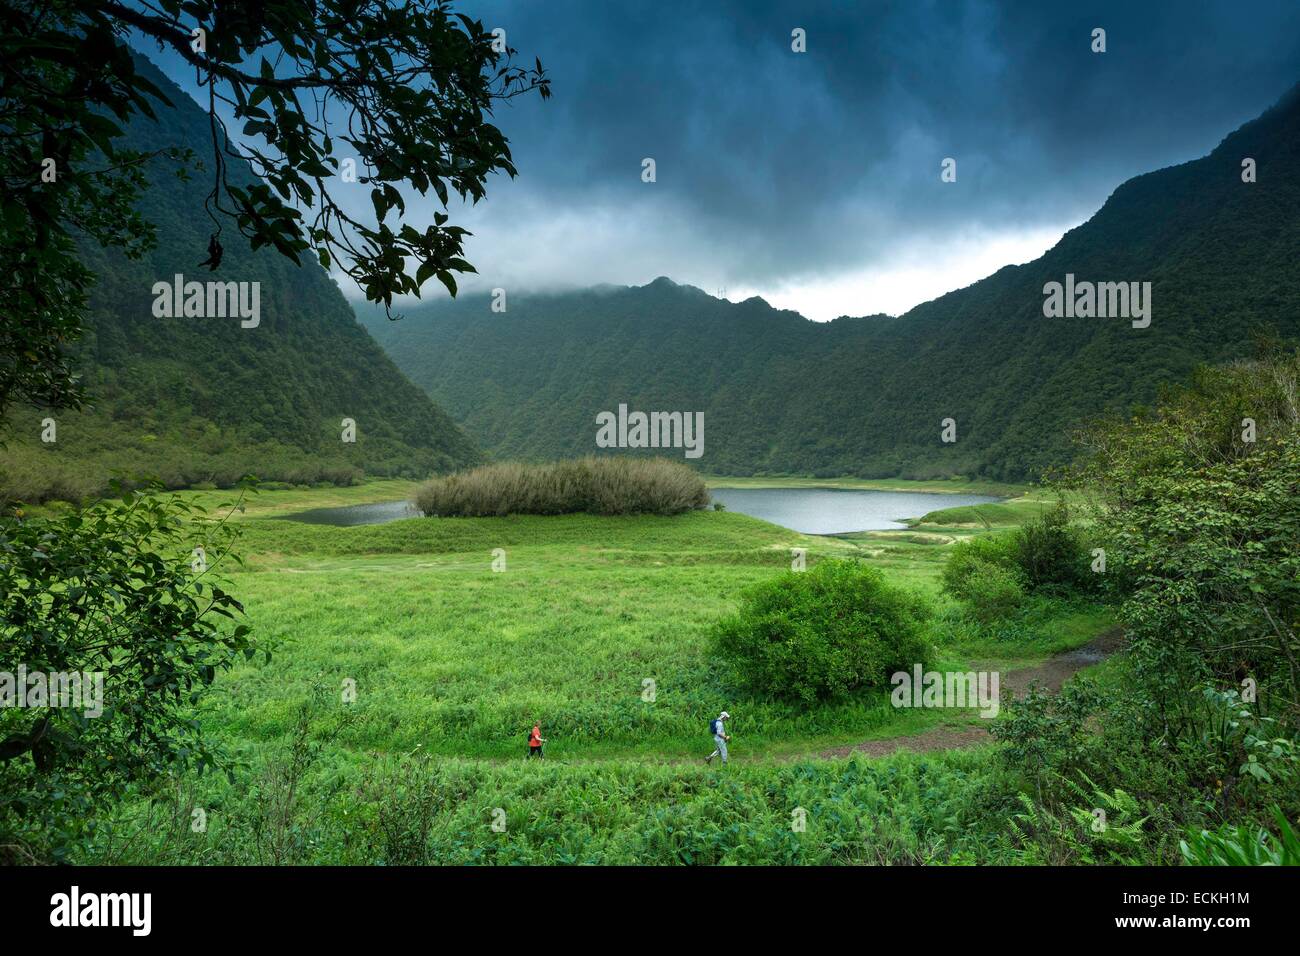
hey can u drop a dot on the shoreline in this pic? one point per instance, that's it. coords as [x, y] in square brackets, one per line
[949, 486]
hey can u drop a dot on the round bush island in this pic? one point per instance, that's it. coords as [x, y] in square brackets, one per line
[599, 486]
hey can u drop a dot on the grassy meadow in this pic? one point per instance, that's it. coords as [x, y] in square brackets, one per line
[599, 628]
[459, 659]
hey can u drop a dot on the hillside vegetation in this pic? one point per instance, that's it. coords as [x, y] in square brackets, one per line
[204, 400]
[866, 396]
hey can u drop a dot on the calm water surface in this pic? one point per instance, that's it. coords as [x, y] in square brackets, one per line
[837, 511]
[350, 515]
[808, 510]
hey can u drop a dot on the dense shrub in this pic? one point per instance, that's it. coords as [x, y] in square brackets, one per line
[1050, 551]
[993, 573]
[1087, 746]
[603, 486]
[1203, 527]
[833, 629]
[109, 591]
[985, 573]
[992, 591]
[976, 554]
[1203, 530]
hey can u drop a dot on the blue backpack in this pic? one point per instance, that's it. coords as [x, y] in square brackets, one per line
[713, 726]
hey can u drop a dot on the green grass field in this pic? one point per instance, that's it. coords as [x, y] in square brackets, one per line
[1016, 510]
[589, 615]
[597, 627]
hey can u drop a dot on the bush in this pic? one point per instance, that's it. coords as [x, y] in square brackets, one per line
[1050, 552]
[994, 572]
[1205, 532]
[992, 590]
[836, 628]
[1110, 739]
[602, 486]
[109, 591]
[984, 573]
[976, 555]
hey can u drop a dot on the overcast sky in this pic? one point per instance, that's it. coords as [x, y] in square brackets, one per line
[813, 179]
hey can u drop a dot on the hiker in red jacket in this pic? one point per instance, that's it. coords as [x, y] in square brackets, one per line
[535, 741]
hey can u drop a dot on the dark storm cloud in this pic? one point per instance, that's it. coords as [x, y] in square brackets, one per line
[788, 150]
[777, 168]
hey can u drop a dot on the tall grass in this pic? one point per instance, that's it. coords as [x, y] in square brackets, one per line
[907, 809]
[601, 486]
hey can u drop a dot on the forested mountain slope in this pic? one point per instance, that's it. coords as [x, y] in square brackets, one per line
[866, 396]
[196, 400]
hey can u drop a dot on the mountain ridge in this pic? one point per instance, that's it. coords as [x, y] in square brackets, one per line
[863, 396]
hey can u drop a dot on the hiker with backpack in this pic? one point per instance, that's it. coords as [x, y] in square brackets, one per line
[720, 737]
[535, 741]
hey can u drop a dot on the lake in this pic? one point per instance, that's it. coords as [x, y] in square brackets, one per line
[351, 515]
[808, 510]
[836, 510]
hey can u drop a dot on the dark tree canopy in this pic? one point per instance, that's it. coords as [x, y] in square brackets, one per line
[126, 597]
[402, 90]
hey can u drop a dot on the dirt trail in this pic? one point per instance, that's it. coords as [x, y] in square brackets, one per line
[1049, 675]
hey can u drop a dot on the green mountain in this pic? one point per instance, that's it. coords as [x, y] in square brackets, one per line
[868, 396]
[204, 400]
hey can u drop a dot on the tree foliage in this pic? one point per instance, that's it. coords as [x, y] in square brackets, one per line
[406, 87]
[1202, 528]
[204, 401]
[128, 589]
[1197, 504]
